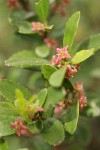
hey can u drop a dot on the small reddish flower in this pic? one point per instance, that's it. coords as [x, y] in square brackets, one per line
[78, 86]
[70, 71]
[12, 3]
[58, 110]
[63, 53]
[19, 127]
[59, 9]
[39, 109]
[65, 2]
[79, 94]
[51, 43]
[82, 102]
[37, 26]
[77, 66]
[54, 60]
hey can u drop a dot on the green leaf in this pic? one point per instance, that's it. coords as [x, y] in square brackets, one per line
[5, 118]
[42, 51]
[20, 100]
[54, 96]
[47, 71]
[6, 129]
[49, 27]
[71, 29]
[68, 85]
[3, 144]
[25, 59]
[7, 108]
[56, 79]
[82, 55]
[32, 127]
[42, 8]
[17, 16]
[8, 88]
[71, 118]
[25, 27]
[42, 97]
[36, 81]
[7, 115]
[39, 124]
[53, 132]
[92, 41]
[49, 112]
[5, 124]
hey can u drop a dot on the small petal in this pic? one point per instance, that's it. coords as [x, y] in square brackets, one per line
[39, 109]
[23, 127]
[58, 50]
[37, 26]
[51, 43]
[78, 86]
[18, 131]
[14, 125]
[58, 110]
[19, 121]
[66, 48]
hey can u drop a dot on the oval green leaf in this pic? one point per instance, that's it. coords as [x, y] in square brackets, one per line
[82, 55]
[53, 132]
[56, 79]
[42, 97]
[42, 51]
[48, 70]
[54, 96]
[25, 59]
[42, 8]
[71, 118]
[8, 88]
[70, 31]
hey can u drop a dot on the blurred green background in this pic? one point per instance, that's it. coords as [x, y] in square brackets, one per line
[87, 136]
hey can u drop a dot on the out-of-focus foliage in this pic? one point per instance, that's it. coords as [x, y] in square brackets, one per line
[87, 135]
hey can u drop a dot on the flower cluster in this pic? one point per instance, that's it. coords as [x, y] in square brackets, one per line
[63, 105]
[71, 70]
[12, 3]
[79, 94]
[20, 128]
[62, 53]
[37, 26]
[33, 113]
[50, 42]
[76, 95]
[61, 59]
[28, 110]
[59, 108]
[60, 7]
